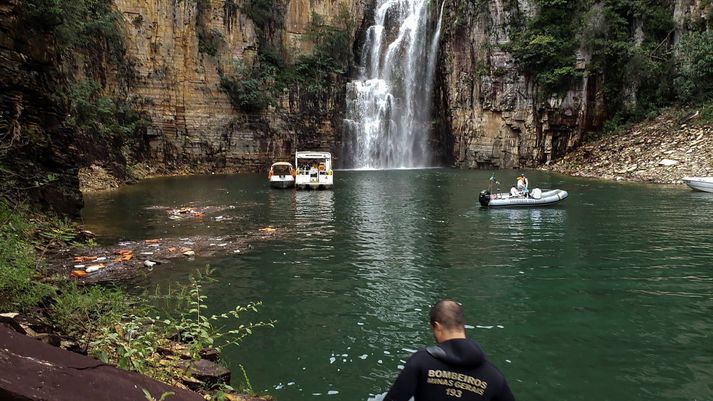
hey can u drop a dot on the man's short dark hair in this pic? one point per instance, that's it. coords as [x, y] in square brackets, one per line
[449, 314]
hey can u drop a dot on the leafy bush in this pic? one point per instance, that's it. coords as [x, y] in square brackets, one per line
[77, 24]
[253, 89]
[694, 70]
[545, 48]
[137, 339]
[95, 114]
[209, 42]
[268, 15]
[19, 266]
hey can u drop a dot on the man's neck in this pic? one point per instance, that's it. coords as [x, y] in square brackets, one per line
[451, 335]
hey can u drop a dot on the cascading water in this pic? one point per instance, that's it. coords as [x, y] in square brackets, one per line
[389, 106]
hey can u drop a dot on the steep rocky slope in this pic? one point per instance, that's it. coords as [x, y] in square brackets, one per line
[662, 151]
[498, 114]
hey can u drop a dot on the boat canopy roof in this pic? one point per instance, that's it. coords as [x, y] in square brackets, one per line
[313, 155]
[281, 164]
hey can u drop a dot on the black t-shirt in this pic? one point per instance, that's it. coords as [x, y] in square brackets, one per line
[450, 371]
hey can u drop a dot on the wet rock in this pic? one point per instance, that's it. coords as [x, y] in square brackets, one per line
[49, 339]
[210, 354]
[30, 370]
[8, 319]
[208, 372]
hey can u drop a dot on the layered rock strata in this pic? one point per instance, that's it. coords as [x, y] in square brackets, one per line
[193, 122]
[497, 117]
[492, 109]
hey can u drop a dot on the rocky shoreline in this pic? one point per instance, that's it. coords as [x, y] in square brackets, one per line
[99, 177]
[662, 151]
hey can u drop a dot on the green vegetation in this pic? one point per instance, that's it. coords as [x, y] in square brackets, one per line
[89, 25]
[19, 268]
[209, 40]
[545, 46]
[88, 32]
[694, 78]
[268, 16]
[255, 88]
[632, 56]
[99, 116]
[109, 324]
[312, 76]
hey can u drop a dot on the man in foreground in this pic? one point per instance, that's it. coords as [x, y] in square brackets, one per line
[455, 368]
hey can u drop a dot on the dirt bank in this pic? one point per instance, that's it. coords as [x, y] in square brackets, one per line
[663, 150]
[98, 177]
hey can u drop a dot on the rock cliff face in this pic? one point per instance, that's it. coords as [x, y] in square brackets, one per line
[496, 116]
[37, 156]
[492, 109]
[193, 122]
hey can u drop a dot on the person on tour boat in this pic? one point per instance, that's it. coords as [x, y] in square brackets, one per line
[521, 187]
[453, 369]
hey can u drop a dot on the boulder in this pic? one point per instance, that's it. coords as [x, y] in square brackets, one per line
[30, 370]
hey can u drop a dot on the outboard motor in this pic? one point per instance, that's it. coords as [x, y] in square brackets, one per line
[484, 198]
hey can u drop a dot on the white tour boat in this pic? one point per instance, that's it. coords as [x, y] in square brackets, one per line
[281, 175]
[314, 170]
[704, 184]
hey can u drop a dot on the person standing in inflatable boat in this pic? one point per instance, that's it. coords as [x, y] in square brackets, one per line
[453, 369]
[521, 187]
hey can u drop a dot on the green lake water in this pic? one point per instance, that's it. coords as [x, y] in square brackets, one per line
[607, 296]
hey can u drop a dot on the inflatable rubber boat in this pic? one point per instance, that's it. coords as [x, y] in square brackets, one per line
[537, 197]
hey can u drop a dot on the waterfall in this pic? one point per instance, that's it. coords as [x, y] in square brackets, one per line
[389, 107]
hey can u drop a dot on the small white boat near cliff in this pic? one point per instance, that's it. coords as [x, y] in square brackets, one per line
[281, 175]
[704, 184]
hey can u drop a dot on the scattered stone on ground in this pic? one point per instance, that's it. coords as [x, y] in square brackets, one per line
[96, 178]
[661, 151]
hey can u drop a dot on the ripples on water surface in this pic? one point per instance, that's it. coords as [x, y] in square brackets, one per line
[608, 296]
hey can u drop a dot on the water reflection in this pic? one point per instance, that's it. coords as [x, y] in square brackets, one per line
[611, 286]
[389, 250]
[314, 219]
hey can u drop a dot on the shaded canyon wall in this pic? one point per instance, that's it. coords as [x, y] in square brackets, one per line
[38, 157]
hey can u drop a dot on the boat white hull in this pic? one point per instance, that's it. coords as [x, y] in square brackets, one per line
[549, 197]
[314, 185]
[282, 183]
[323, 181]
[704, 184]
